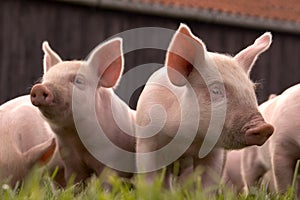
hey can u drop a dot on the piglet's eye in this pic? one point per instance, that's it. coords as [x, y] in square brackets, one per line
[79, 82]
[217, 93]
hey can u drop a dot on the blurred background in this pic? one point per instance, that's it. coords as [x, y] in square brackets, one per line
[74, 27]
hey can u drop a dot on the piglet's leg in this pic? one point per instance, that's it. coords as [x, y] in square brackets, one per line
[143, 162]
[251, 175]
[186, 168]
[283, 170]
[252, 167]
[212, 167]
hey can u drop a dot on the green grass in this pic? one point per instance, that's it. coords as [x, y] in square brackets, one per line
[39, 185]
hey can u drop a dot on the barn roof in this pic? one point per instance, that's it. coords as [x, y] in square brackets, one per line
[272, 14]
[287, 10]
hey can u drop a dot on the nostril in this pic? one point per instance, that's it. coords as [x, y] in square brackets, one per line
[256, 133]
[45, 95]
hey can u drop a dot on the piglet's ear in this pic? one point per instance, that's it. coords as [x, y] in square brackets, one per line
[50, 57]
[247, 57]
[183, 51]
[107, 59]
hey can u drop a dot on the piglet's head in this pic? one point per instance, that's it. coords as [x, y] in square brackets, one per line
[53, 96]
[220, 79]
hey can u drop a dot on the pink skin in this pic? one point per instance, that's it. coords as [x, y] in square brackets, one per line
[254, 165]
[281, 152]
[244, 124]
[26, 139]
[53, 97]
[232, 176]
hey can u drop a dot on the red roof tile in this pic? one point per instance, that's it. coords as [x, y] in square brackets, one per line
[287, 10]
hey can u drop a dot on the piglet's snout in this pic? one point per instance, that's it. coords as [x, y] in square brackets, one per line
[258, 135]
[41, 96]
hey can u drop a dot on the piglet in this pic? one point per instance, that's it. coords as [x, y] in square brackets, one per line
[198, 104]
[56, 99]
[26, 139]
[281, 152]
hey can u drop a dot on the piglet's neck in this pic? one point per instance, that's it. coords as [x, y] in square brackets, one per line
[103, 98]
[113, 113]
[108, 104]
[103, 107]
[62, 131]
